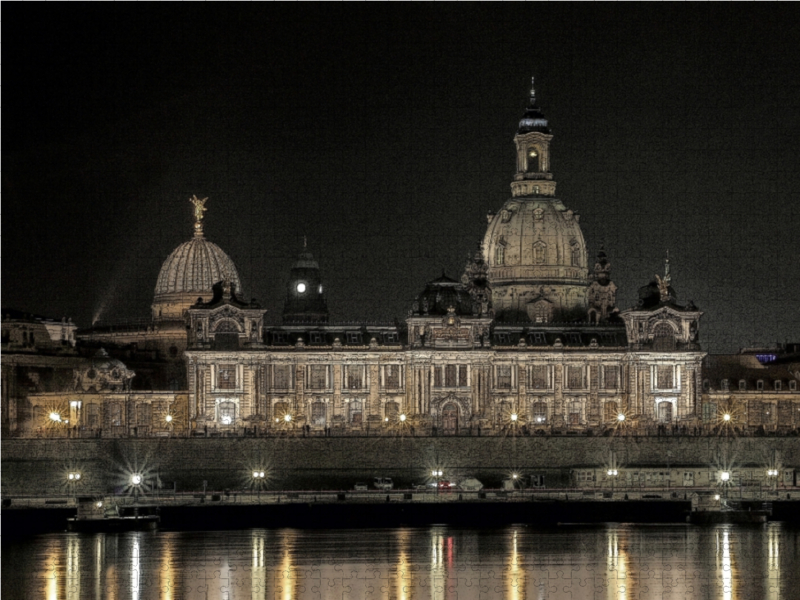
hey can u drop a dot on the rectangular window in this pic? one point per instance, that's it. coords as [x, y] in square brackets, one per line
[504, 377]
[144, 413]
[355, 377]
[280, 337]
[392, 376]
[501, 338]
[317, 377]
[450, 376]
[316, 337]
[391, 338]
[576, 379]
[282, 377]
[353, 337]
[115, 414]
[574, 339]
[537, 338]
[94, 415]
[777, 386]
[742, 385]
[575, 413]
[226, 377]
[767, 414]
[437, 376]
[462, 376]
[610, 377]
[664, 380]
[709, 412]
[538, 377]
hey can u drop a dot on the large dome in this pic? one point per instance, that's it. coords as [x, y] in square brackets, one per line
[189, 273]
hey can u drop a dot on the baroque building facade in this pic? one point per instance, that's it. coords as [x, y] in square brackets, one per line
[529, 340]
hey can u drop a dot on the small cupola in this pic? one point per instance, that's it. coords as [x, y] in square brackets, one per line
[533, 176]
[305, 293]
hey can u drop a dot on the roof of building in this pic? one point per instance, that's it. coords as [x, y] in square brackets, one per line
[195, 266]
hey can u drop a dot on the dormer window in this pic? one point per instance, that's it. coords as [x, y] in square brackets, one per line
[793, 386]
[724, 385]
[742, 385]
[533, 160]
[778, 386]
[760, 385]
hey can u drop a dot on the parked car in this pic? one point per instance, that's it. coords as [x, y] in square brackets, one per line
[470, 484]
[383, 483]
[361, 487]
[445, 485]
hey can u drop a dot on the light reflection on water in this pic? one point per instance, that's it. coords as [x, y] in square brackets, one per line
[616, 562]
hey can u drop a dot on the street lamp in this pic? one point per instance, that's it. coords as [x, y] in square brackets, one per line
[620, 417]
[136, 481]
[726, 417]
[55, 417]
[258, 480]
[402, 418]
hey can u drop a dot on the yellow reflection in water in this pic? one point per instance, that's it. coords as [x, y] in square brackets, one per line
[515, 574]
[99, 559]
[73, 578]
[286, 579]
[616, 567]
[404, 580]
[51, 575]
[135, 566]
[258, 571]
[773, 582]
[167, 571]
[725, 563]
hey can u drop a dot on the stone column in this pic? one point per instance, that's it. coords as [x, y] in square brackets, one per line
[338, 409]
[374, 391]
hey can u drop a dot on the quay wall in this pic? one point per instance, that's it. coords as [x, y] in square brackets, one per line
[40, 466]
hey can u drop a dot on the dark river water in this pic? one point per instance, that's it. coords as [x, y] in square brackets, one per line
[613, 561]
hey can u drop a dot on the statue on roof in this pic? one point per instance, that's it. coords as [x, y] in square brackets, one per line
[199, 207]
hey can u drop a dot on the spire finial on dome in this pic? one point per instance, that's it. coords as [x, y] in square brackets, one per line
[533, 92]
[199, 209]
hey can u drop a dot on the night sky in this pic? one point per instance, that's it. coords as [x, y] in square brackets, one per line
[384, 133]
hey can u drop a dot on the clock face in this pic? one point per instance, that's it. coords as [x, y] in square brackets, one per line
[301, 287]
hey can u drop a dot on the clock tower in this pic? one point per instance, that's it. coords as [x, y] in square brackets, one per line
[305, 294]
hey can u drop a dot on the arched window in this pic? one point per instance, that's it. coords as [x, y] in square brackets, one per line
[279, 412]
[532, 157]
[391, 411]
[542, 312]
[500, 255]
[663, 337]
[575, 255]
[356, 411]
[539, 413]
[226, 412]
[539, 252]
[318, 414]
[115, 414]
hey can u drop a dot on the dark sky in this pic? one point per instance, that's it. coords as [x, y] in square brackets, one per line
[384, 133]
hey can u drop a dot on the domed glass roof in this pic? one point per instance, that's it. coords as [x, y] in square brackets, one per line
[195, 266]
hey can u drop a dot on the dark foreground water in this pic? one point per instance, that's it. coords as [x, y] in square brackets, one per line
[613, 561]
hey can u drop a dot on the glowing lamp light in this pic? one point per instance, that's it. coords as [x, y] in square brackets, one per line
[261, 474]
[726, 417]
[287, 418]
[277, 419]
[386, 419]
[402, 418]
[226, 420]
[612, 472]
[514, 416]
[716, 496]
[620, 417]
[539, 419]
[136, 479]
[255, 473]
[73, 403]
[514, 476]
[74, 476]
[54, 416]
[99, 504]
[258, 474]
[772, 472]
[725, 476]
[168, 418]
[301, 287]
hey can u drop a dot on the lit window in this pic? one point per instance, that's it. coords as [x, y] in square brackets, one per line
[533, 160]
[504, 377]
